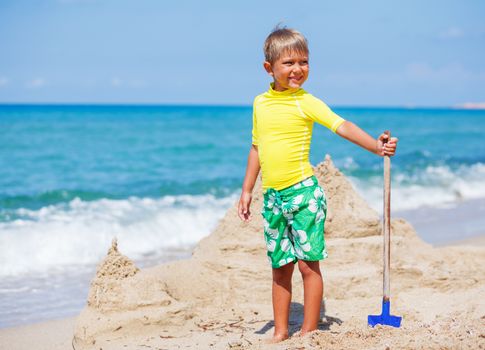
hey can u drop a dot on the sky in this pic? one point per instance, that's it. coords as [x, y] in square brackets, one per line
[362, 53]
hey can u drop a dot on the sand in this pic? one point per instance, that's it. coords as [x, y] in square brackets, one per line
[220, 298]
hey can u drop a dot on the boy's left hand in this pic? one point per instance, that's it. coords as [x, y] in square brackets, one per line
[386, 146]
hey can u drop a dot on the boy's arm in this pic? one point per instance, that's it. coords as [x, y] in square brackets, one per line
[252, 171]
[381, 146]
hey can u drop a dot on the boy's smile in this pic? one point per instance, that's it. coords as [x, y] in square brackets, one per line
[289, 71]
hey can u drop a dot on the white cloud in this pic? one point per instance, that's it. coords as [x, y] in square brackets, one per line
[471, 105]
[116, 82]
[418, 70]
[36, 83]
[138, 83]
[422, 73]
[134, 84]
[452, 33]
[453, 72]
[75, 1]
[3, 81]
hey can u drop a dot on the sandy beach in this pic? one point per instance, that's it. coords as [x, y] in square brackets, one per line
[220, 298]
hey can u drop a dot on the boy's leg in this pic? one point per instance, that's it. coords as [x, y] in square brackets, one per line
[309, 244]
[281, 300]
[313, 293]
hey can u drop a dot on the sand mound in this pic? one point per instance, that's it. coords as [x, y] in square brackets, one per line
[114, 268]
[348, 214]
[221, 297]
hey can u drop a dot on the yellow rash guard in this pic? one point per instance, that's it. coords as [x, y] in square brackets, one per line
[282, 131]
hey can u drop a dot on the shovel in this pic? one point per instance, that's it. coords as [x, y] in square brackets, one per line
[385, 318]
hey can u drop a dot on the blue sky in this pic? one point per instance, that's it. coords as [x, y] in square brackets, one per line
[363, 53]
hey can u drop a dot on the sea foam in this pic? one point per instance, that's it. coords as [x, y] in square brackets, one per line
[80, 232]
[434, 186]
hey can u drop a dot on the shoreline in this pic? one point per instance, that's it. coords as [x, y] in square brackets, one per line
[439, 225]
[70, 292]
[475, 241]
[53, 334]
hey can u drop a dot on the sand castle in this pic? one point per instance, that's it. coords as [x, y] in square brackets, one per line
[220, 298]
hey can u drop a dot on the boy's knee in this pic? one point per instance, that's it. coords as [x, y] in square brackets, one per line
[309, 267]
[283, 274]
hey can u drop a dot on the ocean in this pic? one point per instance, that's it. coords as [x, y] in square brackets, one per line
[160, 177]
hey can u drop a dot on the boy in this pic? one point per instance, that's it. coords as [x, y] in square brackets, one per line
[294, 205]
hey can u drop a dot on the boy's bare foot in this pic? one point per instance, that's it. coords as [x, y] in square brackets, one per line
[278, 338]
[304, 332]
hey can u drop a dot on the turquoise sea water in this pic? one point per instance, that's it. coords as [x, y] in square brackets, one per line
[159, 178]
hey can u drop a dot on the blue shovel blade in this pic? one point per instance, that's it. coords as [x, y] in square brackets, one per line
[385, 318]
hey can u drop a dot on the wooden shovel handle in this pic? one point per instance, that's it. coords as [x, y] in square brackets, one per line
[386, 232]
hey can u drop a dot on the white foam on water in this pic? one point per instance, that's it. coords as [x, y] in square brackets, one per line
[435, 186]
[80, 232]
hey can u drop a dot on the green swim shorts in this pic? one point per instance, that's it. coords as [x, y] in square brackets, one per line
[293, 223]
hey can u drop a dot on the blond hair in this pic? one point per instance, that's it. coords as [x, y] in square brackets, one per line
[282, 40]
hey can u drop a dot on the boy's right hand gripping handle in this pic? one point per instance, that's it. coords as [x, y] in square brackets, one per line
[388, 133]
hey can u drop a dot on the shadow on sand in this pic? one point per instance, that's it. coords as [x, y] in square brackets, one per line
[296, 320]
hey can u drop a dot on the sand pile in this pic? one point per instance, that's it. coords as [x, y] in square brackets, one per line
[348, 214]
[114, 268]
[221, 297]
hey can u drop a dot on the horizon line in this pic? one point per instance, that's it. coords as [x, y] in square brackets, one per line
[464, 106]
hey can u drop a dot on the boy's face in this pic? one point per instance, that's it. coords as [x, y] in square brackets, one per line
[289, 71]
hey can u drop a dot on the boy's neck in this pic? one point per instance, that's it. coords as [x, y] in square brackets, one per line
[278, 88]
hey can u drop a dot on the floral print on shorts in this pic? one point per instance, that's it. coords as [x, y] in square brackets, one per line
[294, 222]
